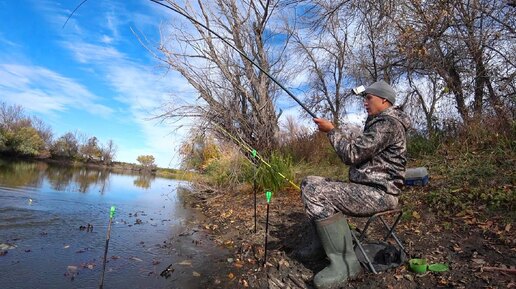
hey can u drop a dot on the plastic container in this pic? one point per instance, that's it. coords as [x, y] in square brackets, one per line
[418, 265]
[416, 176]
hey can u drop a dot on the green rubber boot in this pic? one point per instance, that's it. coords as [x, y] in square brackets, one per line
[338, 245]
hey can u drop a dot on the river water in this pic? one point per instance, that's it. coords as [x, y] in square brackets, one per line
[45, 242]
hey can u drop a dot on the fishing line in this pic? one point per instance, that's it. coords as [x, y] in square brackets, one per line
[70, 16]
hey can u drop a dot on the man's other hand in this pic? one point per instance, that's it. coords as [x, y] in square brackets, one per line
[323, 124]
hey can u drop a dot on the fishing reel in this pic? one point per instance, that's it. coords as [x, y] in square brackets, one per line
[359, 90]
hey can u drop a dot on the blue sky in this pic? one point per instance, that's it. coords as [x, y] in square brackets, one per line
[92, 76]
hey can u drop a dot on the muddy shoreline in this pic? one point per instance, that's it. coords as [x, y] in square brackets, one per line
[459, 241]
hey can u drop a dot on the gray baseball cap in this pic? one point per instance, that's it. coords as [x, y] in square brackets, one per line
[382, 89]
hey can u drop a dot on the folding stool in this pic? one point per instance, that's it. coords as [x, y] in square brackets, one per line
[389, 228]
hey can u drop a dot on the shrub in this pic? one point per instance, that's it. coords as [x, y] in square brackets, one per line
[271, 177]
[228, 170]
[419, 145]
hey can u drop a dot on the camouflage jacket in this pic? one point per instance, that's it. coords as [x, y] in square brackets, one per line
[377, 157]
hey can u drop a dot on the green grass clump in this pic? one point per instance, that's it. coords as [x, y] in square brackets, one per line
[419, 145]
[273, 178]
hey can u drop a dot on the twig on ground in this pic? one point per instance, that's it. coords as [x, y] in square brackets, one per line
[296, 281]
[492, 269]
[276, 281]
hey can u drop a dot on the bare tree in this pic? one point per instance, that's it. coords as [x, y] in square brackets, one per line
[325, 53]
[357, 45]
[291, 130]
[427, 93]
[232, 93]
[44, 131]
[376, 56]
[12, 117]
[108, 152]
[467, 44]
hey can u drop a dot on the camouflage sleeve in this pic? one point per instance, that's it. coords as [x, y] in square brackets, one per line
[362, 148]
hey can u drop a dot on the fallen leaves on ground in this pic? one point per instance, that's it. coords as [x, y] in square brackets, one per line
[462, 240]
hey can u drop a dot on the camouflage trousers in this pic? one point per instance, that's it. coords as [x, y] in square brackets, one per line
[323, 198]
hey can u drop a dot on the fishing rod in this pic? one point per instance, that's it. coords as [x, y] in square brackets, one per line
[255, 187]
[111, 215]
[70, 16]
[268, 196]
[184, 14]
[255, 154]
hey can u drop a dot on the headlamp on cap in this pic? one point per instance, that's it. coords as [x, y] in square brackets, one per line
[358, 90]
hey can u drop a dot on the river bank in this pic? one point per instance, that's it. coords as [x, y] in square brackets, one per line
[480, 253]
[116, 167]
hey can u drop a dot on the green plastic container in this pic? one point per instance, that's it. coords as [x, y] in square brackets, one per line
[418, 265]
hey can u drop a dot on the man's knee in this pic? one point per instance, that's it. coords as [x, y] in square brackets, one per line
[311, 180]
[306, 192]
[311, 188]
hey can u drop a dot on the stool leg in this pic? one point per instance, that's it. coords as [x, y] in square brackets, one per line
[391, 228]
[363, 234]
[393, 234]
[357, 242]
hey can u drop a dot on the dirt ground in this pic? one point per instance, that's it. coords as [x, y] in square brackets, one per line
[480, 253]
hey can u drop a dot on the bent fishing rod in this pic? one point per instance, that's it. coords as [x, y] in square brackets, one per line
[193, 20]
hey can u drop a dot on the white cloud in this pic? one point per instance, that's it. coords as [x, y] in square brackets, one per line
[301, 78]
[92, 53]
[112, 23]
[295, 112]
[106, 39]
[57, 15]
[143, 91]
[102, 46]
[99, 39]
[42, 90]
[357, 118]
[6, 42]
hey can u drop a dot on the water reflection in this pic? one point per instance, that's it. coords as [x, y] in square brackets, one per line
[85, 177]
[61, 178]
[144, 181]
[22, 174]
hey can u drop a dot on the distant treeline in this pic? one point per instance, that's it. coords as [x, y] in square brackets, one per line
[26, 136]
